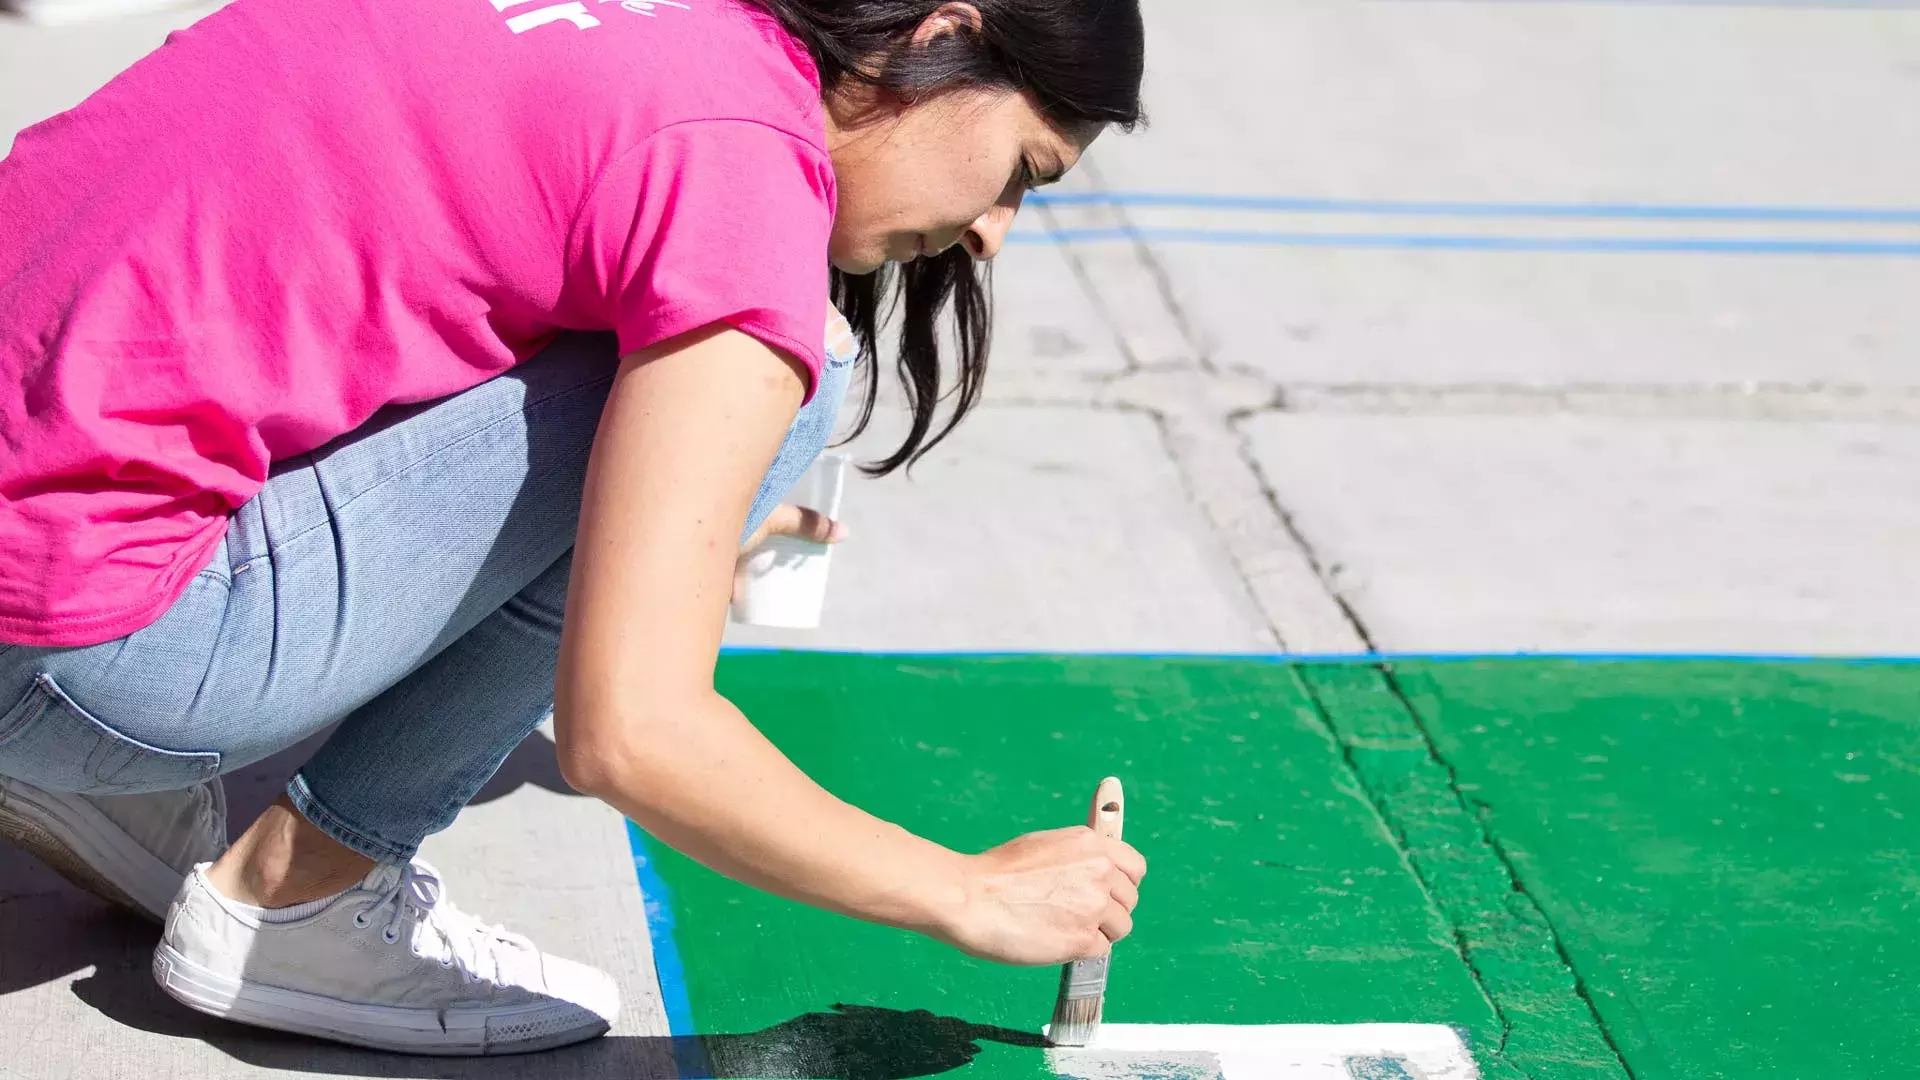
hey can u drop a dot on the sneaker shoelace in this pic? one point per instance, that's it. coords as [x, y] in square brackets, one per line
[416, 906]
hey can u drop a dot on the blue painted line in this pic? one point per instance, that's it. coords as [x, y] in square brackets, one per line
[1349, 658]
[1600, 245]
[666, 955]
[1849, 215]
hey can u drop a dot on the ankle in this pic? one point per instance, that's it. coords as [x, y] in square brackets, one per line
[249, 885]
[283, 860]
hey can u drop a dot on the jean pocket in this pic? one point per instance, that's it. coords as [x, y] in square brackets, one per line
[49, 741]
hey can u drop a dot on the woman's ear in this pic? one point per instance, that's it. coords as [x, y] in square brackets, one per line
[947, 19]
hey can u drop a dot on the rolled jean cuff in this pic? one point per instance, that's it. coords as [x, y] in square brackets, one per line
[315, 811]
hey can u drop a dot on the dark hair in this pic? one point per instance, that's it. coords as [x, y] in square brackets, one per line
[1081, 60]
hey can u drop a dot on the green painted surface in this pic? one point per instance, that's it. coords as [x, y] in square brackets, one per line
[1275, 894]
[1596, 869]
[1727, 850]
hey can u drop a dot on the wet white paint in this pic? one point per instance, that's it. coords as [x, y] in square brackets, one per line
[1280, 1051]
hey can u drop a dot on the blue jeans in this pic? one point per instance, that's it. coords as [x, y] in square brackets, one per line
[406, 582]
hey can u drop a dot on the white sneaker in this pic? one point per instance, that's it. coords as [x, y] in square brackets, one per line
[133, 850]
[388, 964]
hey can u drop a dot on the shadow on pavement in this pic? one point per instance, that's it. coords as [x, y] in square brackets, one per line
[49, 929]
[851, 1042]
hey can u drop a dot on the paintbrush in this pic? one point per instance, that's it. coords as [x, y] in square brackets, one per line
[1083, 983]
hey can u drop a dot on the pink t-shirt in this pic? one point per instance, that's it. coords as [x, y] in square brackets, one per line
[295, 213]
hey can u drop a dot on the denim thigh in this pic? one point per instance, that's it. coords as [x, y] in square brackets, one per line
[354, 566]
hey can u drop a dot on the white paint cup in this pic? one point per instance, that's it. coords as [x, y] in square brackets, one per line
[783, 582]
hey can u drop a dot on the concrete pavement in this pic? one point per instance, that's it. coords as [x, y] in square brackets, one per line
[1502, 326]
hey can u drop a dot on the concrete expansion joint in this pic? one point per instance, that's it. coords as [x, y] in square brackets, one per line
[1367, 786]
[1528, 910]
[1762, 401]
[1282, 573]
[1169, 375]
[1194, 392]
[1179, 390]
[1195, 413]
[1513, 953]
[1192, 396]
[1534, 910]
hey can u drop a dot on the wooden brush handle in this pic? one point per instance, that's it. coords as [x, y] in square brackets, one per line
[1109, 809]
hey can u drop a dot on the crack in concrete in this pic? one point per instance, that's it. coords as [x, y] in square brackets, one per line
[1331, 728]
[1041, 401]
[1078, 268]
[1162, 280]
[1474, 810]
[1769, 403]
[1512, 952]
[1480, 811]
[1325, 572]
[1795, 402]
[1187, 406]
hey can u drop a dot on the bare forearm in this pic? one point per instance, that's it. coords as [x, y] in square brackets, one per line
[702, 779]
[684, 441]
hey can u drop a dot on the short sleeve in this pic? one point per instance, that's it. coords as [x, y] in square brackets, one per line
[710, 221]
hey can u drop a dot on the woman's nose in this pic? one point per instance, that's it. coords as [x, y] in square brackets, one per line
[988, 232]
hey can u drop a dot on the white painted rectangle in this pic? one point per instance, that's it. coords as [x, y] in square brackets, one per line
[1271, 1052]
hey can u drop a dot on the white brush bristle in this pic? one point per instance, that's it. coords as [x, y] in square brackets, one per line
[1076, 1012]
[1075, 1020]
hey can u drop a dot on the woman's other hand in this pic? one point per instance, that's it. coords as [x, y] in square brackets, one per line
[796, 521]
